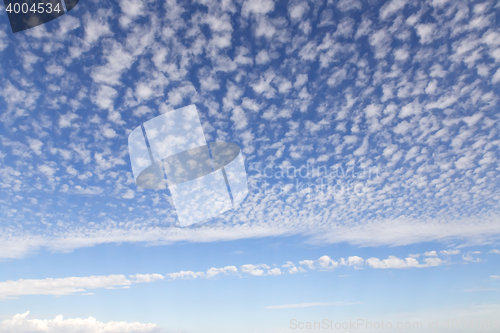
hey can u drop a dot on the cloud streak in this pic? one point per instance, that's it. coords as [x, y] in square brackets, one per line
[301, 305]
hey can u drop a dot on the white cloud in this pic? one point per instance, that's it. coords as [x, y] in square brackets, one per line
[91, 190]
[495, 251]
[401, 54]
[439, 3]
[143, 91]
[337, 77]
[3, 40]
[257, 7]
[131, 10]
[104, 97]
[402, 128]
[264, 28]
[225, 270]
[239, 118]
[394, 232]
[20, 323]
[431, 262]
[36, 146]
[309, 51]
[66, 119]
[297, 10]
[28, 60]
[262, 57]
[263, 86]
[496, 77]
[430, 254]
[469, 258]
[141, 111]
[443, 103]
[300, 80]
[254, 270]
[146, 278]
[295, 270]
[464, 162]
[410, 109]
[355, 261]
[391, 7]
[325, 262]
[55, 70]
[380, 40]
[47, 170]
[292, 269]
[95, 28]
[363, 149]
[130, 194]
[274, 271]
[118, 60]
[426, 32]
[185, 275]
[431, 87]
[307, 263]
[472, 120]
[61, 286]
[346, 5]
[364, 28]
[108, 132]
[450, 252]
[392, 262]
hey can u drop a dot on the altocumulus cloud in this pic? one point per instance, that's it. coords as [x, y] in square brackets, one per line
[359, 83]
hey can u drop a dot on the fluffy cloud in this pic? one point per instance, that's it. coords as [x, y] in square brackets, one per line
[20, 323]
[225, 270]
[308, 263]
[355, 261]
[292, 269]
[325, 262]
[397, 263]
[254, 270]
[274, 271]
[449, 252]
[391, 7]
[185, 275]
[392, 262]
[257, 7]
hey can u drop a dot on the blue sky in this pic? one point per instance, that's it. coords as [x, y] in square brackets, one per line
[370, 135]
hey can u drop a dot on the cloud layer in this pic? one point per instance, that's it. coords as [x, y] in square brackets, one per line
[385, 113]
